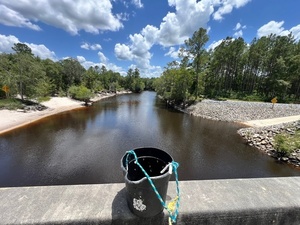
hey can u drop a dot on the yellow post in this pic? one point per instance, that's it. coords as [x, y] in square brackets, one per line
[274, 100]
[5, 88]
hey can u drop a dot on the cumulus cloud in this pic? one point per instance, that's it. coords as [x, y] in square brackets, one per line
[42, 51]
[88, 46]
[12, 18]
[91, 16]
[175, 27]
[277, 28]
[296, 32]
[123, 52]
[7, 42]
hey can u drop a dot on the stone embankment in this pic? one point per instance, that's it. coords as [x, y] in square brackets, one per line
[261, 138]
[240, 111]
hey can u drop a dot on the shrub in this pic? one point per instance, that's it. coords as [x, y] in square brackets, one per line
[81, 93]
[10, 104]
[285, 144]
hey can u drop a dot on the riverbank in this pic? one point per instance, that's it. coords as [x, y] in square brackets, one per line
[13, 119]
[262, 122]
[242, 112]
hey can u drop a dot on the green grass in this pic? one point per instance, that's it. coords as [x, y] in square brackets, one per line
[43, 99]
[285, 143]
[10, 104]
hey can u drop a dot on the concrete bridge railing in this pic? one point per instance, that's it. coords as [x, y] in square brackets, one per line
[260, 201]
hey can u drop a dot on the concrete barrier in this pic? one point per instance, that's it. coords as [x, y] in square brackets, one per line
[260, 201]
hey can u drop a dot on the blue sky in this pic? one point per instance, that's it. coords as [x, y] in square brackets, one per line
[123, 34]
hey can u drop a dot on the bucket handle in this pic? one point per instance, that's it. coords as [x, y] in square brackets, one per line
[173, 206]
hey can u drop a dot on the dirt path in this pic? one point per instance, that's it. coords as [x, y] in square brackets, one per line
[270, 122]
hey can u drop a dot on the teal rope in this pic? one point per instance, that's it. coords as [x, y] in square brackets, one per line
[175, 165]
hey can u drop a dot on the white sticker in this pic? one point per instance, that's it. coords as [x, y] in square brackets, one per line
[138, 204]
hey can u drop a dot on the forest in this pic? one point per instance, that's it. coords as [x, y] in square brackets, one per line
[29, 77]
[267, 67]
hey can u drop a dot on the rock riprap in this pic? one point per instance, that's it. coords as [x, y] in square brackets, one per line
[240, 111]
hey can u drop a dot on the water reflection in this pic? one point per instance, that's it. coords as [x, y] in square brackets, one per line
[86, 145]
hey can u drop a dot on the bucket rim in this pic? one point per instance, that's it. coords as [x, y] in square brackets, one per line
[123, 166]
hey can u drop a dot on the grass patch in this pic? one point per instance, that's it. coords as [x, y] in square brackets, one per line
[10, 103]
[43, 99]
[285, 143]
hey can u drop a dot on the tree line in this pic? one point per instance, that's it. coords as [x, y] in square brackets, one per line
[268, 67]
[30, 77]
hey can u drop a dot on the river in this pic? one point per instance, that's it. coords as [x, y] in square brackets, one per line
[85, 146]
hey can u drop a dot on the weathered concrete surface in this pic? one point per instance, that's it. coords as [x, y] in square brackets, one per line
[235, 201]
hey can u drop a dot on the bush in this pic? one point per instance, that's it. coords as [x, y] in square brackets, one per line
[285, 144]
[81, 93]
[10, 104]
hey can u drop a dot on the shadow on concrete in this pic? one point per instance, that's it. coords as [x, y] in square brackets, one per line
[122, 215]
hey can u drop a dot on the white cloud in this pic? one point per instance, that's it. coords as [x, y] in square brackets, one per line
[226, 6]
[272, 27]
[296, 32]
[7, 42]
[138, 51]
[175, 27]
[138, 3]
[238, 34]
[91, 16]
[173, 53]
[189, 16]
[123, 52]
[102, 57]
[277, 28]
[10, 17]
[215, 44]
[239, 30]
[42, 51]
[94, 47]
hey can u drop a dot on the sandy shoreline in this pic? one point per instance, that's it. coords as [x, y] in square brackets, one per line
[12, 119]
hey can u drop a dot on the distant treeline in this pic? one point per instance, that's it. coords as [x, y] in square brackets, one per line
[268, 67]
[26, 75]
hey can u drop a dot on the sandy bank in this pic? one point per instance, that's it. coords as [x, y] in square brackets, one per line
[12, 119]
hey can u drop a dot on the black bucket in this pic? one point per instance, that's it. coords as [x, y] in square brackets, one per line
[141, 198]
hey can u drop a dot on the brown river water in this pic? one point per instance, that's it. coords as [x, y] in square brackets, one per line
[85, 146]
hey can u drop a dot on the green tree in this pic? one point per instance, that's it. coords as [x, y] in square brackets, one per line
[81, 93]
[195, 49]
[174, 84]
[28, 71]
[54, 75]
[72, 73]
